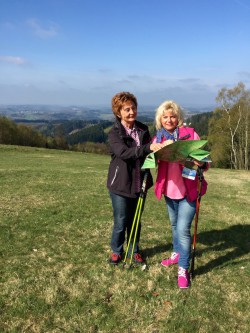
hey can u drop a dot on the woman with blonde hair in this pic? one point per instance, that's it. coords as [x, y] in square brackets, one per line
[180, 193]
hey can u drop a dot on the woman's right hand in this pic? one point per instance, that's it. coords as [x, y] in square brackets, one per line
[156, 146]
[168, 142]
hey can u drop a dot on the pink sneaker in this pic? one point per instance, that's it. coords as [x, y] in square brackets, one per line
[183, 278]
[172, 260]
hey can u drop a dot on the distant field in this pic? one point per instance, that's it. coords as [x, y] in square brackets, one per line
[55, 226]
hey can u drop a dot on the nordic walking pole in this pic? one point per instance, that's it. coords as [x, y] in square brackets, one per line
[136, 230]
[198, 201]
[137, 217]
[135, 222]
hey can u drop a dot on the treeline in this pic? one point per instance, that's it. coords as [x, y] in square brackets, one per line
[82, 136]
[226, 128]
[13, 134]
[85, 136]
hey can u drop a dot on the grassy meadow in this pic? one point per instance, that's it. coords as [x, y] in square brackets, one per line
[55, 227]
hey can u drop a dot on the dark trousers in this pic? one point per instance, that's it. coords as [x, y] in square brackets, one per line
[123, 211]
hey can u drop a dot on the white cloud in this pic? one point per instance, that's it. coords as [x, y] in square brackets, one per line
[50, 32]
[13, 60]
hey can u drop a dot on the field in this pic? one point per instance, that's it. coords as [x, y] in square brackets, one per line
[55, 227]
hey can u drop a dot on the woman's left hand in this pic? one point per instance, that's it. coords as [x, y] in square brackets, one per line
[198, 163]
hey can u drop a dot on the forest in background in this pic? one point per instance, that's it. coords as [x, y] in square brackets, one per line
[226, 129]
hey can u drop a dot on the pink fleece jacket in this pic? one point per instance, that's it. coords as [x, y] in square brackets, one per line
[169, 179]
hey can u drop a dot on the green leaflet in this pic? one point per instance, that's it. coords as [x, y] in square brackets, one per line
[178, 151]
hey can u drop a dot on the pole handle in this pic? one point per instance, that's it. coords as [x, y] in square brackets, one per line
[144, 182]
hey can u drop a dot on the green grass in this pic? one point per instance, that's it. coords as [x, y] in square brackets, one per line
[55, 227]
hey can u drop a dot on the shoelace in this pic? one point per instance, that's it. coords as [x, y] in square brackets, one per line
[182, 272]
[173, 255]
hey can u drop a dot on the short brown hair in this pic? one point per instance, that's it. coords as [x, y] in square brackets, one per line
[119, 99]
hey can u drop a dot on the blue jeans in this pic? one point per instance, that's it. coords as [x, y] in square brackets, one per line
[123, 210]
[181, 214]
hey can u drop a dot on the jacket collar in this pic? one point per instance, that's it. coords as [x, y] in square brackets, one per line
[138, 126]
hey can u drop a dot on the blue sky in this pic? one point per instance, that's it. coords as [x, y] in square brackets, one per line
[82, 52]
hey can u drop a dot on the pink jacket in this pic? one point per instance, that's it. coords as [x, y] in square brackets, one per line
[172, 183]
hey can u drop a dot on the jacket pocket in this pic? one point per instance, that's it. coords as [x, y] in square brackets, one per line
[116, 172]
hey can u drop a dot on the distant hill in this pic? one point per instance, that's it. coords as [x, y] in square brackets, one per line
[47, 113]
[64, 127]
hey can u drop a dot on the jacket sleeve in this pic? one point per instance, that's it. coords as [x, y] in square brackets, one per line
[121, 150]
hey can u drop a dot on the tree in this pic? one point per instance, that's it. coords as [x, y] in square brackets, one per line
[229, 126]
[219, 140]
[94, 133]
[13, 134]
[200, 123]
[8, 131]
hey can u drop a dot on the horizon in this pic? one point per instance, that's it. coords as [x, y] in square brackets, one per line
[97, 105]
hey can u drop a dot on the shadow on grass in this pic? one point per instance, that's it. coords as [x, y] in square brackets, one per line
[151, 251]
[234, 240]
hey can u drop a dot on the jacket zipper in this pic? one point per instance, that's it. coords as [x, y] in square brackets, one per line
[116, 170]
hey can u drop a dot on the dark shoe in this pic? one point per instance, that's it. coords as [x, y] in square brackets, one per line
[115, 259]
[138, 258]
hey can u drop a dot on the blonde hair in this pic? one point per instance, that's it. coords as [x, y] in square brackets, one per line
[168, 106]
